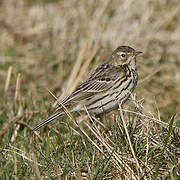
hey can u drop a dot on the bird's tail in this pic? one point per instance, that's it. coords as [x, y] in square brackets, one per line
[47, 120]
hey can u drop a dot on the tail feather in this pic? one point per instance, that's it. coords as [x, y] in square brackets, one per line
[49, 119]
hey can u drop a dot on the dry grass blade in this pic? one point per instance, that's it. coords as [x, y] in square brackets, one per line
[8, 125]
[18, 87]
[169, 17]
[86, 51]
[130, 144]
[162, 123]
[36, 167]
[66, 110]
[8, 79]
[116, 157]
[77, 66]
[85, 65]
[21, 154]
[31, 128]
[150, 75]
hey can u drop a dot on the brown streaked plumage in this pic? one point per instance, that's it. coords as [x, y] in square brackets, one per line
[109, 85]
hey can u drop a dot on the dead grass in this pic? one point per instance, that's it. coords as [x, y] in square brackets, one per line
[55, 45]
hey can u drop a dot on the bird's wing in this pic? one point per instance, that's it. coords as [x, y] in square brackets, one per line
[102, 79]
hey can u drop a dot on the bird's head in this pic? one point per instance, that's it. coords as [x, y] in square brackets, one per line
[124, 55]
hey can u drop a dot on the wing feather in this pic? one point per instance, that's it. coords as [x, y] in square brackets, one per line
[102, 79]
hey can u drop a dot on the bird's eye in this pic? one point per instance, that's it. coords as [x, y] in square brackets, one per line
[123, 55]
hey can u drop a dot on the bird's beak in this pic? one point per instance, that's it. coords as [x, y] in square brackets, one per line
[137, 53]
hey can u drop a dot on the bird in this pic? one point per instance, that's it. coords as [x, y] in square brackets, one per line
[109, 86]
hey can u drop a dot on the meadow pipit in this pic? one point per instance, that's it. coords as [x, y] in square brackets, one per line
[109, 86]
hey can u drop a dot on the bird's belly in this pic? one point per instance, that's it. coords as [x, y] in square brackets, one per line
[112, 98]
[103, 103]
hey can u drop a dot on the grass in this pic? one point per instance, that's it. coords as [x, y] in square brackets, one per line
[56, 45]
